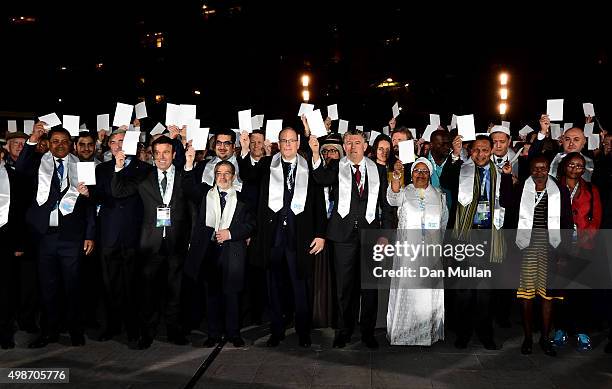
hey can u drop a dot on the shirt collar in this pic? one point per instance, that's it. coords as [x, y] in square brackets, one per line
[291, 161]
[161, 172]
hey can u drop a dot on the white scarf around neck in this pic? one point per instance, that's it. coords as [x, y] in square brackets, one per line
[208, 176]
[45, 177]
[276, 186]
[433, 207]
[527, 208]
[5, 194]
[345, 187]
[216, 219]
[466, 190]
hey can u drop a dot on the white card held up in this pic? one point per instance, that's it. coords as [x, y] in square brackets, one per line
[143, 136]
[567, 126]
[588, 129]
[588, 109]
[406, 151]
[83, 126]
[188, 113]
[173, 115]
[273, 128]
[304, 108]
[51, 119]
[385, 130]
[555, 131]
[200, 138]
[373, 136]
[466, 128]
[342, 126]
[413, 132]
[244, 121]
[123, 115]
[434, 119]
[28, 126]
[158, 129]
[554, 110]
[453, 124]
[192, 126]
[141, 110]
[103, 122]
[86, 172]
[71, 123]
[359, 128]
[130, 142]
[257, 122]
[428, 131]
[315, 122]
[332, 111]
[593, 140]
[505, 124]
[525, 130]
[12, 126]
[395, 110]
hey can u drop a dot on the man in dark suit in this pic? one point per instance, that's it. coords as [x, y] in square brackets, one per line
[356, 206]
[120, 221]
[62, 219]
[219, 249]
[291, 228]
[164, 237]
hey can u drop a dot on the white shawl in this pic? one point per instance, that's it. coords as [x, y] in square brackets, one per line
[45, 176]
[276, 186]
[527, 207]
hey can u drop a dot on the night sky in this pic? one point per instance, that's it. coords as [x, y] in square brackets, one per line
[248, 55]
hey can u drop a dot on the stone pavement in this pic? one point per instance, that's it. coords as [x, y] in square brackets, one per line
[113, 365]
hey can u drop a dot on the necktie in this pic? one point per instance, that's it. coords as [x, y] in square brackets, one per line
[164, 183]
[483, 184]
[289, 170]
[358, 179]
[223, 200]
[60, 169]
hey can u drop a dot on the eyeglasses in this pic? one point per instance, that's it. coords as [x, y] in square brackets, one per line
[227, 143]
[287, 141]
[572, 165]
[329, 151]
[421, 171]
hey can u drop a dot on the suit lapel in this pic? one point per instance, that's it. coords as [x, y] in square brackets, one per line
[153, 186]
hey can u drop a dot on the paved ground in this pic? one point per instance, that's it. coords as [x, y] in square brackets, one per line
[113, 365]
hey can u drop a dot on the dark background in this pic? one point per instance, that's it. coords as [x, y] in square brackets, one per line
[252, 54]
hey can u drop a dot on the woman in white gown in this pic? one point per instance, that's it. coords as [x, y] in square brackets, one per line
[415, 317]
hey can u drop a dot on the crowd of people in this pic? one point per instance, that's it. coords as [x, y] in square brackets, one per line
[251, 230]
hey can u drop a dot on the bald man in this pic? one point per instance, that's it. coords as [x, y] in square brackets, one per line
[572, 140]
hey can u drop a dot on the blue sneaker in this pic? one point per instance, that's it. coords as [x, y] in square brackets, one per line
[560, 338]
[584, 342]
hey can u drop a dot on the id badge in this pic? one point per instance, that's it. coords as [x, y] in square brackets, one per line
[483, 210]
[163, 217]
[432, 222]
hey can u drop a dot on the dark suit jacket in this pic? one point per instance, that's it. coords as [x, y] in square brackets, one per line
[147, 187]
[310, 223]
[13, 234]
[339, 229]
[120, 218]
[76, 226]
[233, 252]
[449, 180]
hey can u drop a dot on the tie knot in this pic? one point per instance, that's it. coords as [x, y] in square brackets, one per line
[222, 194]
[165, 173]
[59, 160]
[356, 166]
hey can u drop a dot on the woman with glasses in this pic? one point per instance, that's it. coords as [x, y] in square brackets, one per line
[587, 215]
[415, 316]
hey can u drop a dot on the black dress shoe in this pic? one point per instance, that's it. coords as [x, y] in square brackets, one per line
[547, 347]
[77, 339]
[274, 340]
[237, 341]
[489, 344]
[527, 346]
[43, 341]
[211, 342]
[305, 341]
[144, 342]
[370, 342]
[7, 344]
[339, 341]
